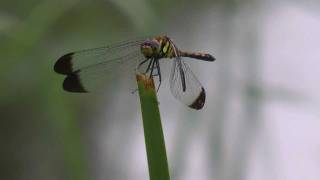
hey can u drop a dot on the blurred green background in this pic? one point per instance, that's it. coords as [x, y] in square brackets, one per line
[260, 120]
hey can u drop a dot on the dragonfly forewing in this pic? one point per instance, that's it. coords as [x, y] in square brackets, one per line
[74, 61]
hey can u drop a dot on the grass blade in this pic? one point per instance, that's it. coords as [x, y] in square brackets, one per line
[155, 145]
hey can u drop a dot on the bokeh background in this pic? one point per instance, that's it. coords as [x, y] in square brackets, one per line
[261, 118]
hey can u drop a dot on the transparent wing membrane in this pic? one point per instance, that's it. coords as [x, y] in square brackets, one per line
[95, 77]
[74, 61]
[185, 86]
[88, 70]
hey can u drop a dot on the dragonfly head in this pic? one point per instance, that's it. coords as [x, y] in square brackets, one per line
[150, 48]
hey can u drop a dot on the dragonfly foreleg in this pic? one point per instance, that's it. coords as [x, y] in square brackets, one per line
[159, 73]
[144, 61]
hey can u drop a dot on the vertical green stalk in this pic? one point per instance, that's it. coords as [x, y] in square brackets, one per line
[155, 146]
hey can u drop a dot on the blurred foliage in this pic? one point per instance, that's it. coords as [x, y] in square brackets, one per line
[41, 124]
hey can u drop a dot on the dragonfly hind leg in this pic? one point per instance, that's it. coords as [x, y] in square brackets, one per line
[159, 74]
[156, 66]
[152, 68]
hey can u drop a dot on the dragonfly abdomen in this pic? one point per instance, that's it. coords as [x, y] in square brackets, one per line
[197, 55]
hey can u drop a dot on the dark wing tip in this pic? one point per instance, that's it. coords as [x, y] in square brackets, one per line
[72, 83]
[209, 57]
[199, 102]
[64, 65]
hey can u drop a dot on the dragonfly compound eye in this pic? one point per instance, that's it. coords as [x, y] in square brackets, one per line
[149, 48]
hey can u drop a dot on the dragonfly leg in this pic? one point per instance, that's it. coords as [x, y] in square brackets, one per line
[144, 61]
[134, 91]
[159, 73]
[152, 68]
[149, 66]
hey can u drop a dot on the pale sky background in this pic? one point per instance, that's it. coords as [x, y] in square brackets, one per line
[287, 146]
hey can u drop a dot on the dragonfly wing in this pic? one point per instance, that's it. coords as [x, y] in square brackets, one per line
[75, 61]
[185, 86]
[94, 77]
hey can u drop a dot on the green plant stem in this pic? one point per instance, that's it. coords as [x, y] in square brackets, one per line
[155, 145]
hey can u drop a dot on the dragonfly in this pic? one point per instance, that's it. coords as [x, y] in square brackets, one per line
[84, 69]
